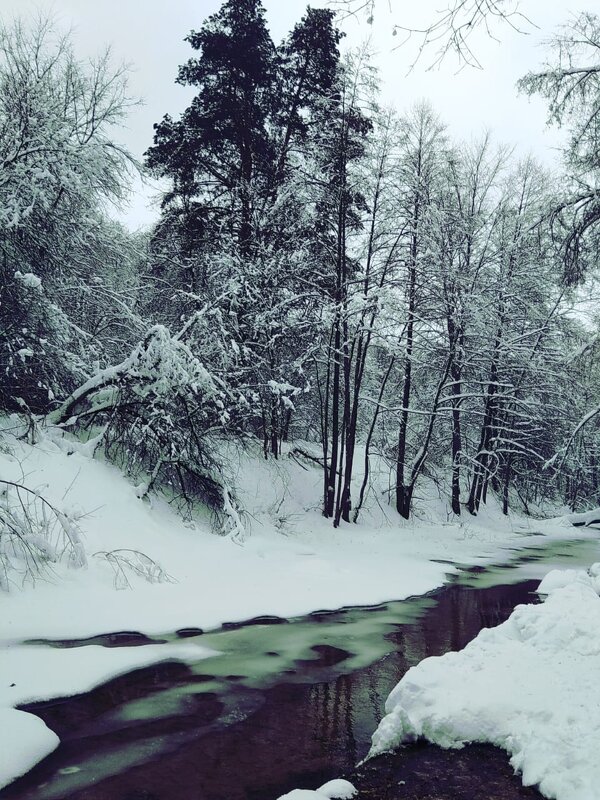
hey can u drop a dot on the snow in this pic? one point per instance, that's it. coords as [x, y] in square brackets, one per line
[25, 740]
[529, 686]
[39, 672]
[30, 673]
[559, 578]
[29, 280]
[591, 517]
[293, 562]
[337, 789]
[161, 363]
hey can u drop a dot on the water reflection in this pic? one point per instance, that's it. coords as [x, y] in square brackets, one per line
[283, 706]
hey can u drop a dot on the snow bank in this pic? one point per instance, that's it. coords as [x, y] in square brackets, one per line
[24, 740]
[338, 789]
[32, 673]
[293, 563]
[529, 686]
[559, 578]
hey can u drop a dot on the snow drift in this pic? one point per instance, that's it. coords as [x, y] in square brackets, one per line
[529, 686]
[337, 789]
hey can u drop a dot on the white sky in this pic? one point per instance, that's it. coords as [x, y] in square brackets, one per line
[149, 35]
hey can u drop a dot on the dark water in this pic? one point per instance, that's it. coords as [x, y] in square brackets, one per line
[284, 706]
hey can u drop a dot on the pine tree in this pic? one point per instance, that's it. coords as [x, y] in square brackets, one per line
[308, 70]
[220, 147]
[235, 223]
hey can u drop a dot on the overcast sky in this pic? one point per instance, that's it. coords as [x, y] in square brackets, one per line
[148, 34]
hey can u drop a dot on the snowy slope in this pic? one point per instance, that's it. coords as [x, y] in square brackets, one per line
[292, 562]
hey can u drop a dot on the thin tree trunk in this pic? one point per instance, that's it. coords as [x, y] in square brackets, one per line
[329, 500]
[365, 479]
[419, 462]
[456, 376]
[482, 458]
[402, 499]
[506, 484]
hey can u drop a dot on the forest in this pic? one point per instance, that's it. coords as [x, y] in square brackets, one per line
[324, 269]
[334, 287]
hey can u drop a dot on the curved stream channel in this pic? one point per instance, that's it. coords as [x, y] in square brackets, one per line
[286, 704]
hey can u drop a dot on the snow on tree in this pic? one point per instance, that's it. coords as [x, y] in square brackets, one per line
[570, 84]
[60, 165]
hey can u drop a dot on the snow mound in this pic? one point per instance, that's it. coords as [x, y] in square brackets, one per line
[529, 686]
[559, 578]
[28, 741]
[338, 789]
[584, 518]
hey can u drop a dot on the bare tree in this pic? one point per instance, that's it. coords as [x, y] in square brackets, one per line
[59, 167]
[452, 29]
[571, 86]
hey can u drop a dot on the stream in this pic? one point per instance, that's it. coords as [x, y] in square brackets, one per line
[286, 704]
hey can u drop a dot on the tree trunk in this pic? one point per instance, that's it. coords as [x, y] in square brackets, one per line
[404, 500]
[406, 388]
[329, 499]
[506, 484]
[456, 439]
[482, 458]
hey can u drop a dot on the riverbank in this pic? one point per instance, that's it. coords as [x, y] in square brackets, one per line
[425, 772]
[528, 686]
[291, 562]
[145, 569]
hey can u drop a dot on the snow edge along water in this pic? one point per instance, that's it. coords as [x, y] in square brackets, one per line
[293, 563]
[542, 664]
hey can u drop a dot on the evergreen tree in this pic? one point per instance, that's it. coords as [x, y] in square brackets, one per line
[220, 147]
[236, 221]
[308, 70]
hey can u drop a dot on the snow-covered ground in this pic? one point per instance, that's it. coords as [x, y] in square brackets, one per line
[292, 562]
[529, 686]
